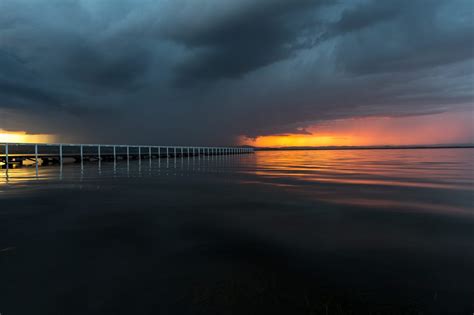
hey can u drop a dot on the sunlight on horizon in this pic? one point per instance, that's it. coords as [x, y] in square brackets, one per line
[435, 129]
[24, 137]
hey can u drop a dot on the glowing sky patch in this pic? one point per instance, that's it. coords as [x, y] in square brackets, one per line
[445, 128]
[23, 137]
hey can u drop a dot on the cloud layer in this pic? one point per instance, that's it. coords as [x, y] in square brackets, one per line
[205, 72]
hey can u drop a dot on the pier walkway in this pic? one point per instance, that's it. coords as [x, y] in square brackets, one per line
[17, 154]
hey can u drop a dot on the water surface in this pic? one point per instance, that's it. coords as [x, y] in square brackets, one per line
[287, 232]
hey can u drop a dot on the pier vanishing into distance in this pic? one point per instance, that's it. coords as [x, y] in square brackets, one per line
[18, 154]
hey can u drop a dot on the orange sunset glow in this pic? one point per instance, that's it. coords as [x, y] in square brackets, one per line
[445, 128]
[24, 137]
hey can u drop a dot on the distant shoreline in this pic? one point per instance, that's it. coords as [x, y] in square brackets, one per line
[461, 146]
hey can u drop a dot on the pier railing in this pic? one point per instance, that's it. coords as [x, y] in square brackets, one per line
[56, 153]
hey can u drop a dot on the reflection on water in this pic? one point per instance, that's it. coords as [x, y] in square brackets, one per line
[433, 180]
[421, 168]
[30, 173]
[286, 232]
[342, 176]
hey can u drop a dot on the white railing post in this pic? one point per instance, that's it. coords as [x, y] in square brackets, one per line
[82, 155]
[6, 157]
[36, 158]
[61, 154]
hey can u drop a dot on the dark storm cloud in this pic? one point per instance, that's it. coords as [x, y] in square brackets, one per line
[17, 87]
[207, 71]
[99, 68]
[256, 36]
[406, 35]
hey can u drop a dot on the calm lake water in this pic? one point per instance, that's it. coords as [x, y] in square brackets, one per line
[291, 232]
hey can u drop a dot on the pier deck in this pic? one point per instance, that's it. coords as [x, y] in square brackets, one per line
[16, 154]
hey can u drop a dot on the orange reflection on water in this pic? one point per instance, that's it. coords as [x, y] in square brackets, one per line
[17, 175]
[423, 167]
[426, 179]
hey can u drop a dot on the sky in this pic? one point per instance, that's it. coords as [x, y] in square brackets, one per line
[221, 72]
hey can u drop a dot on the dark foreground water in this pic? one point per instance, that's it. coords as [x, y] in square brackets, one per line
[299, 232]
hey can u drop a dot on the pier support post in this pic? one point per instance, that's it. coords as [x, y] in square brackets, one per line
[6, 157]
[61, 154]
[82, 154]
[115, 155]
[98, 152]
[36, 158]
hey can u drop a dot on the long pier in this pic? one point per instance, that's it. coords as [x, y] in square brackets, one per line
[15, 154]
